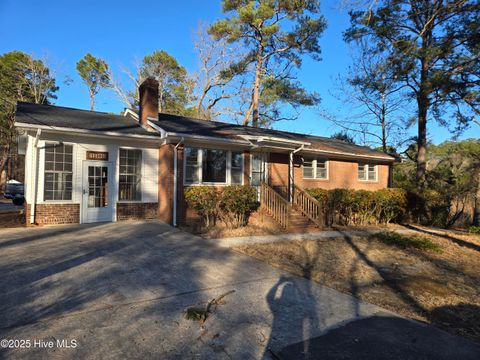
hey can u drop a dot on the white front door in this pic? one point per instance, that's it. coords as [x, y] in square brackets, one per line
[97, 195]
[258, 171]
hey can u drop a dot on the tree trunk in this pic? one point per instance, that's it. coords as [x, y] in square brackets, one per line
[382, 121]
[256, 91]
[422, 141]
[476, 209]
[92, 101]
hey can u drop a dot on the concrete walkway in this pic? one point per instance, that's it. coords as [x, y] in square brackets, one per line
[262, 239]
[120, 290]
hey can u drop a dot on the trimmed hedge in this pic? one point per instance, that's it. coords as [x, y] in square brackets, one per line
[231, 204]
[361, 207]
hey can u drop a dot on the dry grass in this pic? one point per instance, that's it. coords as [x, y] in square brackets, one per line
[258, 224]
[440, 287]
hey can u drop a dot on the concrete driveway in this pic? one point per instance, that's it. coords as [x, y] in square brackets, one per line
[119, 290]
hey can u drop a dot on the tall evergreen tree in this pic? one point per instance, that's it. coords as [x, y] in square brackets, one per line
[275, 34]
[433, 50]
[95, 74]
[22, 78]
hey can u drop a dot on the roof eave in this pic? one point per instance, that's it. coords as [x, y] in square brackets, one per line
[92, 133]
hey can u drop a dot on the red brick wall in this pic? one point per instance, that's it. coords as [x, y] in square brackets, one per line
[342, 174]
[137, 211]
[49, 214]
[165, 182]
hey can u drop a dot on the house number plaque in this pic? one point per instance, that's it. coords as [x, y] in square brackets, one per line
[97, 155]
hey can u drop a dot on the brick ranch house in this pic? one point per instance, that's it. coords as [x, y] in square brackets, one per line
[84, 166]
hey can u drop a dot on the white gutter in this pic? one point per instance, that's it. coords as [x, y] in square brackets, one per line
[104, 134]
[34, 181]
[175, 171]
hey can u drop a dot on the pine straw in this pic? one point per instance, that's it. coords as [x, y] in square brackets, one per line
[438, 287]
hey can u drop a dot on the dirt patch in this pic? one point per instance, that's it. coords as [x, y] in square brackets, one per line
[258, 224]
[12, 219]
[439, 287]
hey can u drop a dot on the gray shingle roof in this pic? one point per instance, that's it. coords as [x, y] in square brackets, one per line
[57, 116]
[191, 126]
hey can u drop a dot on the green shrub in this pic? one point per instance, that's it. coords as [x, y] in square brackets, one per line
[361, 207]
[405, 242]
[205, 200]
[391, 204]
[233, 204]
[474, 229]
[237, 202]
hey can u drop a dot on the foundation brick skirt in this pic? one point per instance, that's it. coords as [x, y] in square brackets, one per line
[137, 211]
[49, 214]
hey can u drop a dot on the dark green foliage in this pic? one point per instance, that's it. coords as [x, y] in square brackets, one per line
[232, 204]
[451, 186]
[22, 78]
[406, 241]
[432, 52]
[274, 35]
[237, 202]
[173, 84]
[361, 207]
[344, 136]
[95, 74]
[205, 200]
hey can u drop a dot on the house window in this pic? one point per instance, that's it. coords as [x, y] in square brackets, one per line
[214, 169]
[192, 165]
[236, 168]
[58, 172]
[212, 166]
[315, 169]
[367, 172]
[130, 175]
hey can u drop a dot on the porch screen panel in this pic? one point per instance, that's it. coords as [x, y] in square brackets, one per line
[130, 175]
[58, 172]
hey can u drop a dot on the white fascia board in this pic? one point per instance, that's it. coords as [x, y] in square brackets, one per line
[346, 154]
[131, 113]
[172, 137]
[104, 134]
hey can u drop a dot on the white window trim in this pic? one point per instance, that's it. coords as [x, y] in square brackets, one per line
[228, 175]
[41, 194]
[314, 166]
[118, 176]
[367, 168]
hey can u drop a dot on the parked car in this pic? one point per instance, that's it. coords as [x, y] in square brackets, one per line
[14, 190]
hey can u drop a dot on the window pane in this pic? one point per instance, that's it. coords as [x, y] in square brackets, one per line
[321, 169]
[236, 176]
[371, 172]
[58, 172]
[130, 168]
[361, 172]
[214, 165]
[308, 169]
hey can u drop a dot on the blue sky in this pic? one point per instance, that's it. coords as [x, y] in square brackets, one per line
[120, 31]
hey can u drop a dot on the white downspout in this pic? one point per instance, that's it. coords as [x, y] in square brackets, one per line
[175, 171]
[290, 182]
[34, 179]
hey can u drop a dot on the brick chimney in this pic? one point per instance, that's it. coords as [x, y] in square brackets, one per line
[148, 91]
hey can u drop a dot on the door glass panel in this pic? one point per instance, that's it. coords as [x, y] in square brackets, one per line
[97, 186]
